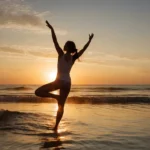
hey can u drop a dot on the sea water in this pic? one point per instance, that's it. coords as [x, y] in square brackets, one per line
[81, 93]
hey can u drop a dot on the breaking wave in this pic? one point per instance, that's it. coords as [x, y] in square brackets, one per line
[78, 100]
[17, 88]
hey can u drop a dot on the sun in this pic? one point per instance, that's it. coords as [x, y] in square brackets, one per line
[52, 75]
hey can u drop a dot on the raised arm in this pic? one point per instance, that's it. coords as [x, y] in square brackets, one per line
[86, 45]
[58, 48]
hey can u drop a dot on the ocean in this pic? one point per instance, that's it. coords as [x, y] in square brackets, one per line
[81, 94]
[107, 117]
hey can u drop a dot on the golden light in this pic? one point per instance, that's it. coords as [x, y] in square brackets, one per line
[55, 110]
[56, 107]
[52, 75]
[61, 130]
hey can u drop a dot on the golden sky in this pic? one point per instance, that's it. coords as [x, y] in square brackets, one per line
[118, 54]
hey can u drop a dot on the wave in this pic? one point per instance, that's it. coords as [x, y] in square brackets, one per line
[109, 100]
[17, 123]
[79, 100]
[4, 114]
[17, 88]
[109, 89]
[31, 88]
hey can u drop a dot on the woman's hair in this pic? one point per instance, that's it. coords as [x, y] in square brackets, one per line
[70, 47]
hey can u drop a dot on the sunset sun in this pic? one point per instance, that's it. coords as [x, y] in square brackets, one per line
[52, 75]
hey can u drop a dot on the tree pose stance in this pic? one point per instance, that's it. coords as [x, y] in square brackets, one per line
[66, 59]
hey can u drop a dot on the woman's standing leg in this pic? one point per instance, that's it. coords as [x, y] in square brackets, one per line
[64, 91]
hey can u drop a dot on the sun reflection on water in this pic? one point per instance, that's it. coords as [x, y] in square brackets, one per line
[55, 108]
[62, 130]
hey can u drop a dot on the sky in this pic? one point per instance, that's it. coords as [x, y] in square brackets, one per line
[118, 54]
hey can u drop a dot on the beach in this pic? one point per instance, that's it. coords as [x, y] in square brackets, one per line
[28, 125]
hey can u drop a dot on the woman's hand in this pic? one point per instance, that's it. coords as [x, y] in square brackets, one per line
[49, 25]
[91, 36]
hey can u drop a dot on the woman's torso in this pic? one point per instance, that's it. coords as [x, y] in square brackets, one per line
[64, 66]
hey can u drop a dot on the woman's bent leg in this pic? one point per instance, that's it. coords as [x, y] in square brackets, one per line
[61, 102]
[44, 90]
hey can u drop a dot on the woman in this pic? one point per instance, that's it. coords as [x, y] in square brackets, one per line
[63, 80]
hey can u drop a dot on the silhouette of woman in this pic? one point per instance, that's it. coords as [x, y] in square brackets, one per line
[63, 80]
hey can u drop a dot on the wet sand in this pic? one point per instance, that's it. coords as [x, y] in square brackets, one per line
[29, 126]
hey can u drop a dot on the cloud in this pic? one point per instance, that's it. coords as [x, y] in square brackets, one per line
[108, 59]
[30, 52]
[15, 14]
[11, 50]
[41, 54]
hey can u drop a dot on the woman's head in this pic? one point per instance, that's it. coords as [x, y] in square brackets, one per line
[70, 47]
